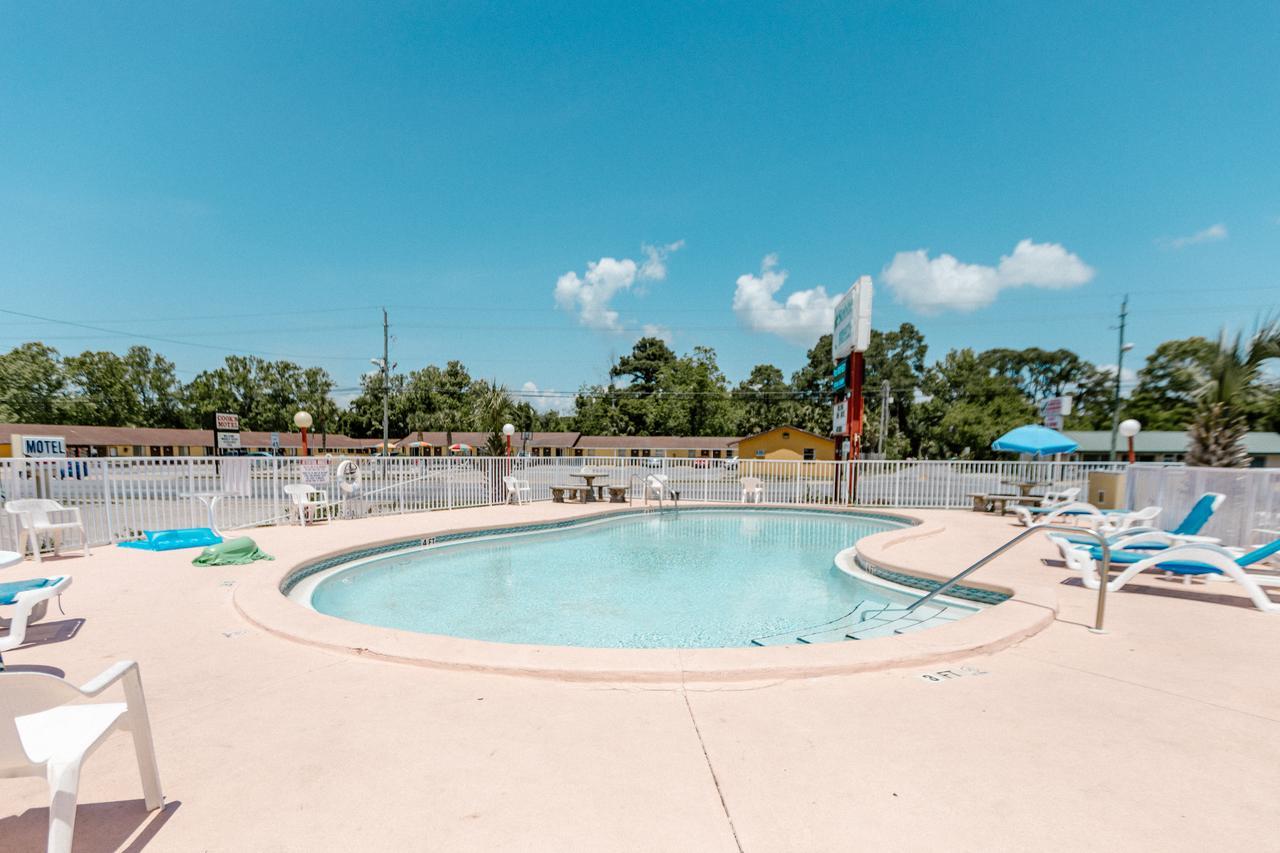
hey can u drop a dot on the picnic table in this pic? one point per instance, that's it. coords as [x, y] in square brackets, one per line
[983, 502]
[589, 477]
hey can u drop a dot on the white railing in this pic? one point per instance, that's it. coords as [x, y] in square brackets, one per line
[121, 497]
[1250, 514]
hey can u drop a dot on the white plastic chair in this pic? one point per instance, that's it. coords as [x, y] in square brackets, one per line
[752, 490]
[305, 498]
[34, 517]
[46, 731]
[235, 484]
[31, 606]
[519, 489]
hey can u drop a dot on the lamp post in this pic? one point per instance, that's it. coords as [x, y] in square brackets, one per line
[508, 430]
[302, 420]
[1129, 428]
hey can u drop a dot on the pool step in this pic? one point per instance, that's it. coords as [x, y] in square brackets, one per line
[900, 624]
[867, 617]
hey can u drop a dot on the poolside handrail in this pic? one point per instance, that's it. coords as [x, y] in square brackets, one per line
[1105, 571]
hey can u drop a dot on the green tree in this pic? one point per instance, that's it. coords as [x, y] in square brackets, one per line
[33, 386]
[896, 357]
[968, 406]
[1168, 384]
[491, 407]
[159, 393]
[1231, 384]
[763, 401]
[812, 387]
[104, 392]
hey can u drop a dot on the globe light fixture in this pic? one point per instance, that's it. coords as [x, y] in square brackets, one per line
[302, 420]
[1129, 428]
[508, 430]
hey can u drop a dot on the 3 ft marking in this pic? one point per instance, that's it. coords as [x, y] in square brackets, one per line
[942, 675]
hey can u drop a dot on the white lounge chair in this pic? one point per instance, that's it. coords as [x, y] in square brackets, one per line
[36, 517]
[752, 490]
[31, 602]
[1188, 560]
[306, 498]
[45, 730]
[1028, 515]
[518, 489]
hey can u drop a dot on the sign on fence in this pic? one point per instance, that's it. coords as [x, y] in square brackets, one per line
[39, 446]
[315, 472]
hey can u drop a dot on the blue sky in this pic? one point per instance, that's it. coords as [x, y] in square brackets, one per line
[260, 177]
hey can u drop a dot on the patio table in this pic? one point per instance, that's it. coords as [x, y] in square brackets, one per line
[589, 477]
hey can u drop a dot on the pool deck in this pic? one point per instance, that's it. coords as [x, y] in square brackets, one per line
[1162, 734]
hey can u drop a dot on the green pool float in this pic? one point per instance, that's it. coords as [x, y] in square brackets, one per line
[231, 552]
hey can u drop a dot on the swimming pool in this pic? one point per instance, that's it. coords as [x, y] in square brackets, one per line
[695, 578]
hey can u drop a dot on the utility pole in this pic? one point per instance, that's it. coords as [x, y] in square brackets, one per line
[885, 388]
[387, 388]
[1122, 348]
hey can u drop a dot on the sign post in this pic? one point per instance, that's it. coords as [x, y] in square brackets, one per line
[850, 337]
[1055, 410]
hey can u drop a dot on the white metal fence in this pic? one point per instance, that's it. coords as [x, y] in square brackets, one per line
[119, 498]
[1250, 515]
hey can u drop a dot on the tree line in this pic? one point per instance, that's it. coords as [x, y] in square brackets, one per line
[953, 407]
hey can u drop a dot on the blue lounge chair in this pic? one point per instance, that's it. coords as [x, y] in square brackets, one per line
[1187, 530]
[1188, 560]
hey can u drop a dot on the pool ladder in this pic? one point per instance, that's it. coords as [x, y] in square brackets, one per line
[862, 623]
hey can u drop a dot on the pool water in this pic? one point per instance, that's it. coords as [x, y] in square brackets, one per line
[690, 578]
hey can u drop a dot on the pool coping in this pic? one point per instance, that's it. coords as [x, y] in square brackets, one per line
[261, 601]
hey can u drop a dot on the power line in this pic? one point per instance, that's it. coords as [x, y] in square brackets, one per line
[166, 340]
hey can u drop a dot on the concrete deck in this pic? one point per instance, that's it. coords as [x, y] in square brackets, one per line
[1163, 734]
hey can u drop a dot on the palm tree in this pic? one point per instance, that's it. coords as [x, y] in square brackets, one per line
[1231, 381]
[490, 409]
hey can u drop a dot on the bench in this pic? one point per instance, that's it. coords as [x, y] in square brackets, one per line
[617, 494]
[557, 494]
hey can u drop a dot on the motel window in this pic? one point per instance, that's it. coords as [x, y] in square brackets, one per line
[759, 454]
[644, 452]
[786, 435]
[705, 453]
[715, 453]
[810, 454]
[577, 451]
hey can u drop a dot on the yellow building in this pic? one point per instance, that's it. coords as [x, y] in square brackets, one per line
[787, 442]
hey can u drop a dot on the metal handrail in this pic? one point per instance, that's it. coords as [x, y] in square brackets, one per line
[1102, 586]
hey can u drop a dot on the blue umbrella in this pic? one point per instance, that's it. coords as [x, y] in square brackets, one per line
[1036, 440]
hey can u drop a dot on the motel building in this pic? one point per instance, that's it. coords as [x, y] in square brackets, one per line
[786, 442]
[1167, 446]
[128, 442]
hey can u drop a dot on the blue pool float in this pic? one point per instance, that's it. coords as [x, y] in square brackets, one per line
[172, 540]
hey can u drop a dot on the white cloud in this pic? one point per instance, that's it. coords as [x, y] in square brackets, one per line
[804, 315]
[544, 399]
[1212, 234]
[590, 294]
[931, 285]
[654, 267]
[662, 333]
